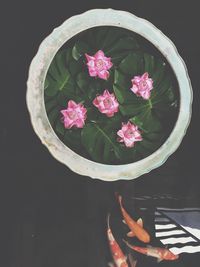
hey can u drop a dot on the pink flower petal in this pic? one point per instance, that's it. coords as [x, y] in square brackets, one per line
[89, 58]
[129, 134]
[72, 104]
[98, 65]
[99, 55]
[106, 103]
[74, 115]
[92, 72]
[104, 74]
[142, 85]
[145, 76]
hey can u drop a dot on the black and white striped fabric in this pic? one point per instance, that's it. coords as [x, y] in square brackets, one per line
[178, 229]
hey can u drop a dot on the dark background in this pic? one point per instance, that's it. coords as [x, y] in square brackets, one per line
[49, 215]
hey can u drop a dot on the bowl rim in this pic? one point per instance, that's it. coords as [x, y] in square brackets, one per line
[35, 93]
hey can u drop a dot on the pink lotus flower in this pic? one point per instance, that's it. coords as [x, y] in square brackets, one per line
[74, 115]
[106, 103]
[142, 85]
[98, 65]
[129, 134]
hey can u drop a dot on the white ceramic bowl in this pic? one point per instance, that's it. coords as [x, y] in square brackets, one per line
[35, 93]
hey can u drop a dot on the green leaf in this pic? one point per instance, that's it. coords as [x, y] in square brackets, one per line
[132, 64]
[132, 109]
[168, 96]
[158, 73]
[141, 150]
[121, 80]
[72, 138]
[112, 36]
[118, 94]
[147, 121]
[83, 80]
[53, 115]
[153, 137]
[163, 86]
[149, 64]
[46, 83]
[58, 76]
[68, 56]
[60, 62]
[127, 43]
[148, 145]
[100, 36]
[123, 85]
[118, 57]
[94, 89]
[79, 49]
[51, 90]
[60, 127]
[52, 103]
[92, 114]
[95, 138]
[75, 67]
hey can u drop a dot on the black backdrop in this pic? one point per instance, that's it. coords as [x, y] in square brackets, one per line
[51, 216]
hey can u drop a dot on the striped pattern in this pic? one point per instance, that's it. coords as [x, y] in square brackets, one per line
[172, 228]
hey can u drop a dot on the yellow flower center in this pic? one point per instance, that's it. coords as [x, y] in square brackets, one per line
[100, 64]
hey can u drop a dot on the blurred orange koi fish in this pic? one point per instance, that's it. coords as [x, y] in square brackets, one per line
[117, 254]
[159, 253]
[135, 227]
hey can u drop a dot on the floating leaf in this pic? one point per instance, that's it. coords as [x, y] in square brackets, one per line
[72, 138]
[46, 83]
[128, 43]
[132, 64]
[147, 121]
[159, 72]
[112, 36]
[60, 126]
[100, 36]
[119, 95]
[82, 80]
[52, 103]
[121, 80]
[68, 56]
[53, 115]
[149, 64]
[58, 76]
[95, 138]
[75, 67]
[79, 49]
[118, 57]
[132, 109]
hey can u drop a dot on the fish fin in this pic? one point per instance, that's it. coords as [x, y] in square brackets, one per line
[132, 261]
[159, 260]
[119, 199]
[126, 242]
[110, 264]
[124, 221]
[130, 234]
[108, 220]
[140, 222]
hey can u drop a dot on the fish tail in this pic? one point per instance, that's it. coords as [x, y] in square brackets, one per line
[108, 220]
[119, 198]
[126, 242]
[132, 261]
